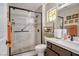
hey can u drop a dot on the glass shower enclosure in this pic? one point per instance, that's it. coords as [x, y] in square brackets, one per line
[26, 30]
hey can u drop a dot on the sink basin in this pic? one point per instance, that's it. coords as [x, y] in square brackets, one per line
[76, 42]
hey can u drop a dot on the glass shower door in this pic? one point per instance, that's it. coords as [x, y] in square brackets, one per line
[23, 31]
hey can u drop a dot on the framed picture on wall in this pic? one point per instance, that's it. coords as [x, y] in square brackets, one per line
[74, 16]
[76, 20]
[66, 22]
[70, 21]
[68, 17]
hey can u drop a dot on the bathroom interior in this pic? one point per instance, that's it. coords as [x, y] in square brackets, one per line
[40, 29]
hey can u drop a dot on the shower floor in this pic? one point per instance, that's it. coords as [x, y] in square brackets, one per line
[30, 53]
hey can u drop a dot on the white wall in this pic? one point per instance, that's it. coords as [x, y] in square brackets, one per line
[3, 29]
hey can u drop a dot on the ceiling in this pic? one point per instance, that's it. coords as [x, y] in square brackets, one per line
[71, 6]
[29, 6]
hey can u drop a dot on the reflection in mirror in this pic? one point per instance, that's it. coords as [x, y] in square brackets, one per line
[70, 20]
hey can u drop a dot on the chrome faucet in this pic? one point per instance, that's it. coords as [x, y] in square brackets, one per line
[71, 38]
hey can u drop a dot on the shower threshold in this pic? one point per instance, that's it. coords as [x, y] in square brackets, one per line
[28, 53]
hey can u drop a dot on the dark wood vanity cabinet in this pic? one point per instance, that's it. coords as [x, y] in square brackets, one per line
[73, 54]
[49, 52]
[54, 50]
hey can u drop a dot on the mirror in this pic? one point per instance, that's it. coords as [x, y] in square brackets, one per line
[70, 20]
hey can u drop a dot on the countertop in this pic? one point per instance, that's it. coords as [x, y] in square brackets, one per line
[69, 45]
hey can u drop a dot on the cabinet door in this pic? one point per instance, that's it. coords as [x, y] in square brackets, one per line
[49, 44]
[50, 53]
[60, 50]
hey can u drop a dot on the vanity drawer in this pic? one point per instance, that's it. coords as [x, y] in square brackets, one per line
[61, 51]
[50, 53]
